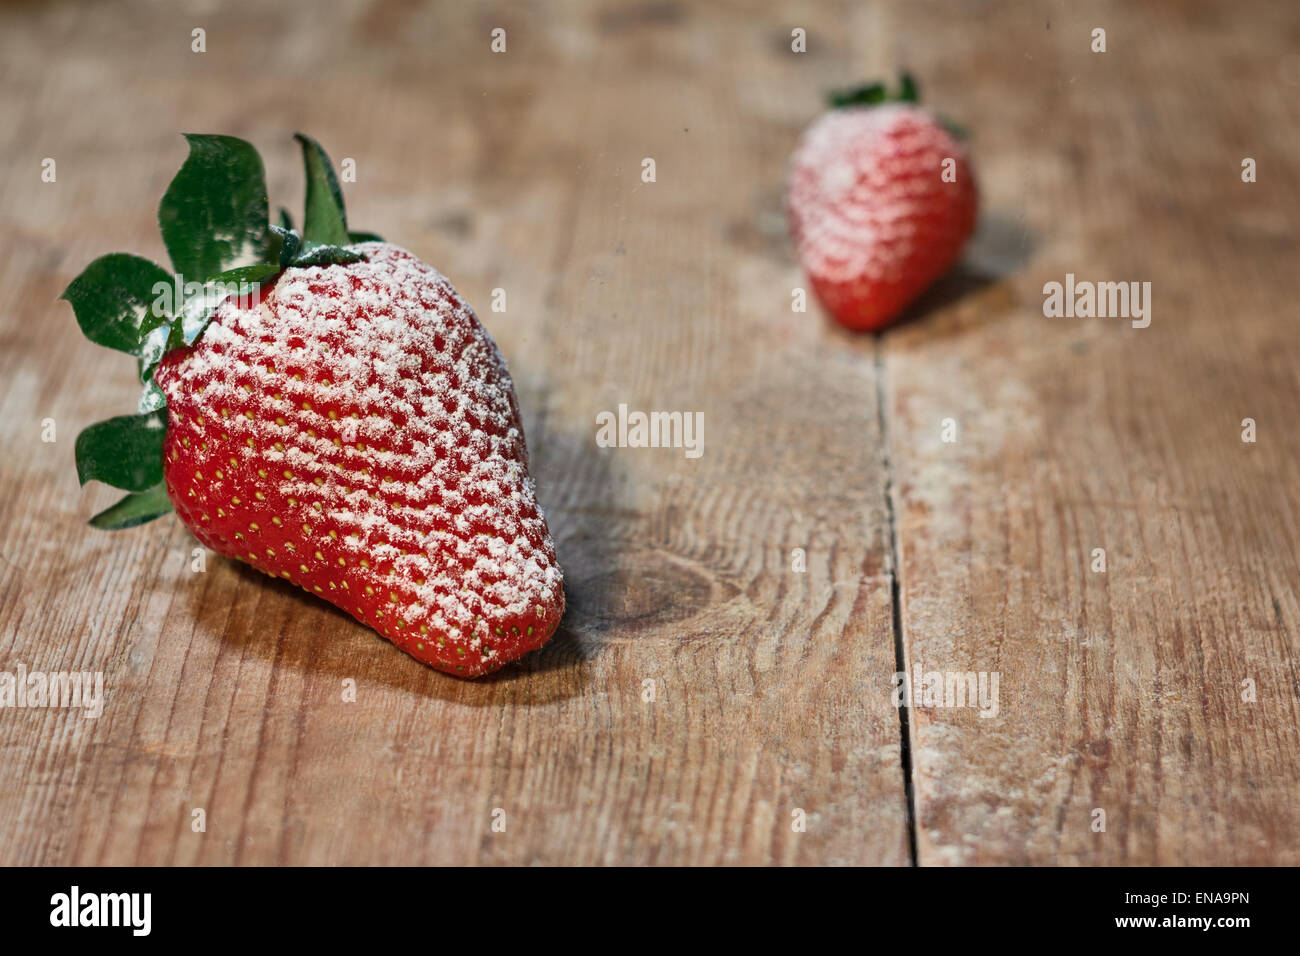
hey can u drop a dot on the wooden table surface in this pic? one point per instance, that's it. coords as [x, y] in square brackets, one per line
[1120, 691]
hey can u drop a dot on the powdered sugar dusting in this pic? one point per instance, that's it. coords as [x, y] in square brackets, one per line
[366, 400]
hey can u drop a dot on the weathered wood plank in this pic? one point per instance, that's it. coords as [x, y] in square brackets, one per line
[1120, 691]
[519, 172]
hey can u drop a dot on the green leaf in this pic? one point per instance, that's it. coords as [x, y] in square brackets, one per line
[125, 452]
[197, 309]
[156, 344]
[327, 256]
[200, 308]
[114, 300]
[251, 276]
[355, 237]
[873, 94]
[213, 216]
[286, 220]
[907, 90]
[151, 399]
[868, 95]
[284, 246]
[134, 509]
[325, 221]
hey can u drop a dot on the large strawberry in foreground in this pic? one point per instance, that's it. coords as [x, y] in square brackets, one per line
[881, 200]
[326, 408]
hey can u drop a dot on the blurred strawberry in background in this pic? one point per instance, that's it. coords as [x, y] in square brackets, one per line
[881, 201]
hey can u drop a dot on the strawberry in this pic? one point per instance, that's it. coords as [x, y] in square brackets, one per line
[870, 212]
[327, 409]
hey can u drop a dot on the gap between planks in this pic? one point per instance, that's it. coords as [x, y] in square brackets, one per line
[895, 596]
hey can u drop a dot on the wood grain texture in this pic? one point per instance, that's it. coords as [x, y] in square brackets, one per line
[1120, 691]
[521, 172]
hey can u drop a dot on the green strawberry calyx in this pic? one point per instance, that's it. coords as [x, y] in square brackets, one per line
[877, 94]
[873, 94]
[214, 219]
